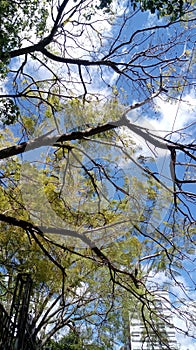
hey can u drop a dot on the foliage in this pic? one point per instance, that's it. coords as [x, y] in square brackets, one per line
[71, 341]
[17, 18]
[174, 9]
[85, 205]
[9, 111]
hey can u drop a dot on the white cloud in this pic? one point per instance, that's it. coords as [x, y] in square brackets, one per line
[175, 121]
[152, 19]
[185, 344]
[175, 116]
[179, 287]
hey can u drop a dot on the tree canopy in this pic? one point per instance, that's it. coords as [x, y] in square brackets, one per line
[97, 167]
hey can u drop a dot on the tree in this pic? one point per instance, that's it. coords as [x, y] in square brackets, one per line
[174, 9]
[78, 83]
[71, 341]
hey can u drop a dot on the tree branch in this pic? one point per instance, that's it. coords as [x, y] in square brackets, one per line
[32, 229]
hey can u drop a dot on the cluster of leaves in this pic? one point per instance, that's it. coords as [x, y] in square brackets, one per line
[72, 341]
[18, 17]
[174, 9]
[9, 111]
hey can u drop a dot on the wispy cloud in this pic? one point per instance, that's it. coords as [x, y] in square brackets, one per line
[175, 120]
[175, 116]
